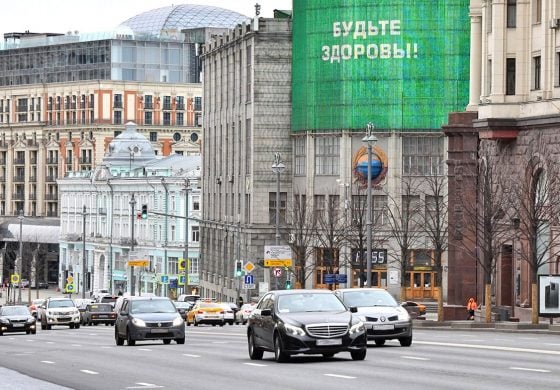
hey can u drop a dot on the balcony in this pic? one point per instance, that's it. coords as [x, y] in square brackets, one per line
[148, 106]
[49, 107]
[117, 105]
[167, 106]
[38, 107]
[33, 160]
[18, 196]
[166, 122]
[52, 213]
[2, 178]
[51, 196]
[51, 179]
[32, 196]
[2, 161]
[57, 106]
[52, 160]
[102, 211]
[21, 108]
[33, 179]
[180, 106]
[2, 196]
[85, 160]
[19, 161]
[19, 178]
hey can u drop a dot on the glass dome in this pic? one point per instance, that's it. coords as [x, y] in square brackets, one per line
[181, 17]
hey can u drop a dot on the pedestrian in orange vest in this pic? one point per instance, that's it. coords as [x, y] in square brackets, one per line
[471, 307]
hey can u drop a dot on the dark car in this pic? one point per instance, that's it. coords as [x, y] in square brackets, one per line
[149, 318]
[183, 308]
[99, 313]
[109, 299]
[17, 319]
[290, 322]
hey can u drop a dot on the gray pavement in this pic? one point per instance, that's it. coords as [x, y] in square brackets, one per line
[16, 381]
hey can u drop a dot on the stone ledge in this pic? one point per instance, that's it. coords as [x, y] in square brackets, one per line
[521, 326]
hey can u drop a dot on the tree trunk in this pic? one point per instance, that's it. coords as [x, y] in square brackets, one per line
[488, 303]
[440, 305]
[534, 304]
[403, 293]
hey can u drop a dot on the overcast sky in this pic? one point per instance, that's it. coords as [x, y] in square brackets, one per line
[61, 16]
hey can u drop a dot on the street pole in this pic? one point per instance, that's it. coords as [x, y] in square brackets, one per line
[370, 140]
[20, 260]
[278, 167]
[186, 251]
[132, 209]
[84, 265]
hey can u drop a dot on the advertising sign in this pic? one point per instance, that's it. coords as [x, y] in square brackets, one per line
[400, 65]
[549, 302]
[277, 256]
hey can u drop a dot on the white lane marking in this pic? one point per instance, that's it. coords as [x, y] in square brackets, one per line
[144, 385]
[189, 355]
[256, 364]
[554, 344]
[490, 347]
[528, 369]
[144, 349]
[414, 358]
[47, 362]
[219, 342]
[340, 376]
[30, 341]
[76, 345]
[50, 342]
[89, 372]
[106, 347]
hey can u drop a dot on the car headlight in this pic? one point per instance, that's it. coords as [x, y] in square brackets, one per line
[178, 321]
[138, 322]
[294, 330]
[403, 314]
[31, 320]
[357, 328]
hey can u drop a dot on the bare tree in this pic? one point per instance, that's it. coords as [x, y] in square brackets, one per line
[536, 202]
[436, 220]
[405, 225]
[300, 233]
[486, 225]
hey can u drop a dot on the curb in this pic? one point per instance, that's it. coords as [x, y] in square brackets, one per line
[482, 326]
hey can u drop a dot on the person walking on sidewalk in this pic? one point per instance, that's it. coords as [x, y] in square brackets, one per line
[471, 307]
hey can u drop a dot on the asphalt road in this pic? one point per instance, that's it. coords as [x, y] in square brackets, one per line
[216, 358]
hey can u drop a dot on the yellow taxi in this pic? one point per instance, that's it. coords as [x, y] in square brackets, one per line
[206, 312]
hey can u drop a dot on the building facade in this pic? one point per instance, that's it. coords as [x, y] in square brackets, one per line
[512, 121]
[107, 203]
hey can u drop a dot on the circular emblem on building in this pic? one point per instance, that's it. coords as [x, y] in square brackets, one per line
[379, 165]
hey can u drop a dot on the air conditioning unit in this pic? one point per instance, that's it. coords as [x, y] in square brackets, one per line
[554, 23]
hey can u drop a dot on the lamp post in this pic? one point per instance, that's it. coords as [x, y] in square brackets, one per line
[370, 140]
[20, 255]
[278, 167]
[186, 250]
[84, 259]
[132, 213]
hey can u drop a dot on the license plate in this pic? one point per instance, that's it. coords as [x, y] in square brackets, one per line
[212, 317]
[159, 330]
[18, 325]
[384, 327]
[103, 316]
[329, 342]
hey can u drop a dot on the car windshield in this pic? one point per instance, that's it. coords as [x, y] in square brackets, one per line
[61, 303]
[182, 305]
[368, 298]
[15, 311]
[309, 302]
[152, 306]
[101, 308]
[208, 305]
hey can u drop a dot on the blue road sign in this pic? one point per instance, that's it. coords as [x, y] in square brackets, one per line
[249, 279]
[328, 278]
[164, 279]
[341, 278]
[182, 279]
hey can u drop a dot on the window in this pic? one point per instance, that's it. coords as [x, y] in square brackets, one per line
[167, 102]
[511, 13]
[148, 118]
[327, 156]
[557, 73]
[537, 72]
[380, 210]
[510, 76]
[299, 158]
[196, 203]
[318, 206]
[166, 118]
[537, 11]
[180, 119]
[195, 233]
[272, 207]
[422, 155]
[117, 117]
[489, 77]
[249, 74]
[153, 136]
[118, 103]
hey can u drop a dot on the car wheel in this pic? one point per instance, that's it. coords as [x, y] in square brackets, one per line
[380, 342]
[1, 334]
[180, 341]
[118, 339]
[49, 327]
[255, 353]
[406, 341]
[279, 355]
[195, 322]
[34, 332]
[167, 341]
[71, 326]
[187, 322]
[129, 340]
[358, 355]
[77, 326]
[27, 332]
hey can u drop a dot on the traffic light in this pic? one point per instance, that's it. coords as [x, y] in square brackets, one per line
[182, 264]
[288, 285]
[238, 267]
[144, 211]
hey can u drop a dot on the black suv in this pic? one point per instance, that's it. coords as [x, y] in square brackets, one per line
[149, 318]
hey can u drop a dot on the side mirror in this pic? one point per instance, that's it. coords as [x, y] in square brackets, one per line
[266, 312]
[353, 309]
[123, 313]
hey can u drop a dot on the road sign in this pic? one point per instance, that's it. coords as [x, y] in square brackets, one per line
[181, 279]
[249, 267]
[277, 272]
[278, 263]
[249, 279]
[138, 263]
[14, 278]
[164, 279]
[70, 279]
[193, 280]
[70, 287]
[277, 256]
[182, 264]
[249, 286]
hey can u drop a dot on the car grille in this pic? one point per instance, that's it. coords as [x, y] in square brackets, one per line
[18, 321]
[375, 319]
[327, 330]
[156, 324]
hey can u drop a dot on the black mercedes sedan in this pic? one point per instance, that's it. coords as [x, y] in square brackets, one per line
[17, 319]
[291, 322]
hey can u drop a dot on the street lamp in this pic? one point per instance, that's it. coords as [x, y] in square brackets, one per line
[186, 250]
[132, 214]
[370, 140]
[84, 265]
[20, 260]
[278, 167]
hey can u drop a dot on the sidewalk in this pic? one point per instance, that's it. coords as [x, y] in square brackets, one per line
[502, 326]
[43, 293]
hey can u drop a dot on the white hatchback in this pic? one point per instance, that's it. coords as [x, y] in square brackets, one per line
[229, 315]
